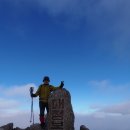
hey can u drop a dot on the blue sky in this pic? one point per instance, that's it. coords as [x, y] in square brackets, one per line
[85, 43]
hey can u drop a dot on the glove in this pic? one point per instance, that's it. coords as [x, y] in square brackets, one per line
[62, 84]
[33, 95]
[31, 90]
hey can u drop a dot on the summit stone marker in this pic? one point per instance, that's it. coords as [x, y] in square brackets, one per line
[61, 115]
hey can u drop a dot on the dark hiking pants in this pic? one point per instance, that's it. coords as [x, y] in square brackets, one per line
[42, 106]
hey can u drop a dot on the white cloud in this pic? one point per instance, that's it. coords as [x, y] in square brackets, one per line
[8, 104]
[122, 108]
[15, 105]
[18, 118]
[103, 117]
[107, 87]
[14, 100]
[57, 7]
[94, 121]
[109, 19]
[113, 117]
[100, 83]
[18, 90]
[103, 121]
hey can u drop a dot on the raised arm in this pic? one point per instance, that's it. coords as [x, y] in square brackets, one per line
[52, 88]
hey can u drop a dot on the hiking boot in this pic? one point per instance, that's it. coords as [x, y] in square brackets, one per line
[42, 125]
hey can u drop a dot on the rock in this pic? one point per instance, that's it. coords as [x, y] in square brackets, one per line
[61, 116]
[17, 128]
[35, 127]
[83, 127]
[7, 127]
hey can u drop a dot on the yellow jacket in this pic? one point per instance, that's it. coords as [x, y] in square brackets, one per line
[44, 91]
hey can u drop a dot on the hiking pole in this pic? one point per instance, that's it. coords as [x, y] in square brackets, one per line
[32, 113]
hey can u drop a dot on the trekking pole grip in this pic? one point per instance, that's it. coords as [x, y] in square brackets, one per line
[31, 90]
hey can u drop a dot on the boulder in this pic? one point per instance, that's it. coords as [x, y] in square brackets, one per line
[17, 128]
[83, 127]
[61, 115]
[7, 127]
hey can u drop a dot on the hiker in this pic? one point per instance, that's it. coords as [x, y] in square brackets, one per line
[43, 92]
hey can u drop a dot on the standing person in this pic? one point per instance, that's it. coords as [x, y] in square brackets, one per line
[43, 92]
